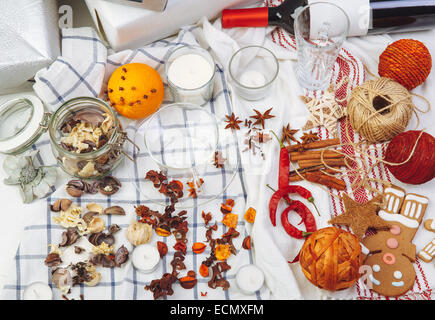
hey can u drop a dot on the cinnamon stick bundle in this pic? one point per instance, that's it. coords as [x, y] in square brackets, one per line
[314, 145]
[296, 177]
[317, 154]
[330, 162]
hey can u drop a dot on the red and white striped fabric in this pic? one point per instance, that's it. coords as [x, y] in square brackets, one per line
[351, 67]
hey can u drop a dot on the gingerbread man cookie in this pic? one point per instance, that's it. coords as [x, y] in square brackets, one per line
[391, 253]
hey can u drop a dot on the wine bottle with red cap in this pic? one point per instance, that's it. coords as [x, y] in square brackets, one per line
[366, 16]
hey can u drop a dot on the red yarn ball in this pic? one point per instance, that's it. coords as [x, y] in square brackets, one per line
[406, 61]
[421, 166]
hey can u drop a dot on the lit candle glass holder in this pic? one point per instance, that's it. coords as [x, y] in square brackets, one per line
[253, 70]
[190, 73]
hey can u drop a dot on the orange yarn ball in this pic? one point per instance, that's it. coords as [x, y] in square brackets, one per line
[330, 259]
[406, 61]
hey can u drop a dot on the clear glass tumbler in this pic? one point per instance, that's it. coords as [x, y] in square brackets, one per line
[320, 29]
[253, 70]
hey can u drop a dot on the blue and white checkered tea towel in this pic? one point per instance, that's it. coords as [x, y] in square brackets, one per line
[82, 71]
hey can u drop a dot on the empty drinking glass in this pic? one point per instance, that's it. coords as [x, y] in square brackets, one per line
[320, 29]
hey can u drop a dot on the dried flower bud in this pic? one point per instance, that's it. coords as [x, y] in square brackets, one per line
[139, 233]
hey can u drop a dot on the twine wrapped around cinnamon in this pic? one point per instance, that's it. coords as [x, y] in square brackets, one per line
[330, 259]
[380, 109]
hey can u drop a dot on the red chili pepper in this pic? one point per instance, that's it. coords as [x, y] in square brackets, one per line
[306, 215]
[284, 165]
[278, 195]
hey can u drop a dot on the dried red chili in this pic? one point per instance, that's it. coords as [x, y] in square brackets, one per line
[284, 165]
[306, 215]
[278, 195]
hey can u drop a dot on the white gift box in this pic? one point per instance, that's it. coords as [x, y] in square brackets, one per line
[130, 27]
[29, 39]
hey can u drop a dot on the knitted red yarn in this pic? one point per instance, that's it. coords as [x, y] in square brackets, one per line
[406, 61]
[421, 167]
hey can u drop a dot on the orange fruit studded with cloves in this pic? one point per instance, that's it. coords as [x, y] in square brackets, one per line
[135, 90]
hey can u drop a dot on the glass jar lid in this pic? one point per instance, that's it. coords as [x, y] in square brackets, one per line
[22, 122]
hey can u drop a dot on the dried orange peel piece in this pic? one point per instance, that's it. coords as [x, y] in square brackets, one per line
[230, 220]
[250, 215]
[222, 252]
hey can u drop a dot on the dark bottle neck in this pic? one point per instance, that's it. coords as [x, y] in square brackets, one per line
[281, 15]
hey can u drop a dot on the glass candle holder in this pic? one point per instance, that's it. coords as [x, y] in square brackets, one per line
[320, 30]
[253, 70]
[190, 73]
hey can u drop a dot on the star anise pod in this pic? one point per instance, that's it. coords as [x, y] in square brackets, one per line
[288, 135]
[309, 137]
[260, 118]
[233, 122]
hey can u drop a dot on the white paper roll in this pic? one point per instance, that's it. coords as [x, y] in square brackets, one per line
[358, 12]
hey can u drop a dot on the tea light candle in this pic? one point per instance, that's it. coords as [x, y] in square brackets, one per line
[38, 291]
[249, 279]
[145, 258]
[252, 79]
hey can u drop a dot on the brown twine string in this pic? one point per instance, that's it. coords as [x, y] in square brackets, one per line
[387, 122]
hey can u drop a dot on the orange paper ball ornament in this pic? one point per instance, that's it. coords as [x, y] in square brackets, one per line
[135, 90]
[406, 61]
[330, 259]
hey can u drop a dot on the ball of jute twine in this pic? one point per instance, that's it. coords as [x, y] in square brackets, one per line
[380, 109]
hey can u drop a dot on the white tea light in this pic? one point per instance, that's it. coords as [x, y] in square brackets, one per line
[190, 71]
[38, 291]
[145, 258]
[249, 279]
[252, 79]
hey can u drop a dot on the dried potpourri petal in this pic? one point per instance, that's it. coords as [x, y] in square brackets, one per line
[69, 237]
[187, 282]
[225, 209]
[206, 217]
[219, 160]
[247, 243]
[203, 270]
[180, 246]
[163, 248]
[222, 252]
[198, 247]
[52, 260]
[121, 256]
[230, 220]
[250, 215]
[109, 185]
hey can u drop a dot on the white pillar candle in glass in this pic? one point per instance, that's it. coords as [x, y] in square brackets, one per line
[190, 72]
[145, 258]
[38, 291]
[249, 279]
